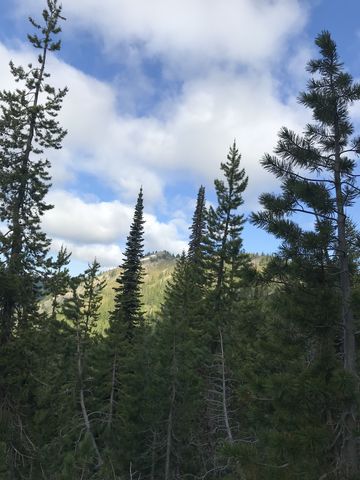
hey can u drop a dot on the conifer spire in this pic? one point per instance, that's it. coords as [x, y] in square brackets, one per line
[128, 308]
[198, 226]
[225, 223]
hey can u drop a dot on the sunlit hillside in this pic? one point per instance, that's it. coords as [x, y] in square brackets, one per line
[158, 268]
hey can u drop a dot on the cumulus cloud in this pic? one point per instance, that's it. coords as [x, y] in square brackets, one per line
[99, 229]
[189, 136]
[109, 256]
[184, 136]
[245, 31]
[80, 221]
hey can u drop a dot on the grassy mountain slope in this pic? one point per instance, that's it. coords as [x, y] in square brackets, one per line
[158, 268]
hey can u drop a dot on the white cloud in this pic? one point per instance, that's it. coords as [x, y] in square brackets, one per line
[98, 229]
[187, 139]
[246, 31]
[183, 138]
[189, 136]
[86, 222]
[190, 133]
[296, 66]
[109, 256]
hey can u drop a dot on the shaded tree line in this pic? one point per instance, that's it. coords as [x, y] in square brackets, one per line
[246, 373]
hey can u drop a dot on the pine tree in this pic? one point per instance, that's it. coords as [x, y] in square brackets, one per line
[127, 308]
[28, 127]
[225, 225]
[318, 179]
[82, 309]
[174, 390]
[198, 227]
[124, 346]
[228, 286]
[58, 279]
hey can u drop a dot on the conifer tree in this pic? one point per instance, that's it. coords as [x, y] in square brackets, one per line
[317, 171]
[125, 340]
[58, 279]
[181, 336]
[179, 354]
[28, 127]
[127, 309]
[225, 225]
[82, 309]
[198, 227]
[228, 269]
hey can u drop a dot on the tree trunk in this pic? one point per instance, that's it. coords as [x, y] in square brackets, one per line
[224, 396]
[112, 393]
[153, 456]
[349, 453]
[82, 402]
[170, 417]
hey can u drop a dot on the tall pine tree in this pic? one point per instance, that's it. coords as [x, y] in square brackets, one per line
[182, 339]
[125, 339]
[127, 309]
[28, 127]
[317, 171]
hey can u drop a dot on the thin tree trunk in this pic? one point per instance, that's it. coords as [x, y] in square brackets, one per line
[350, 451]
[153, 456]
[170, 417]
[221, 267]
[112, 393]
[224, 396]
[82, 403]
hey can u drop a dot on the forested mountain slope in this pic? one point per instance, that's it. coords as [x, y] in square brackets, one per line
[158, 269]
[215, 365]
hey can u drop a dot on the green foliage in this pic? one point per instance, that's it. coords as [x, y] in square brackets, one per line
[314, 270]
[225, 365]
[27, 128]
[127, 308]
[157, 271]
[58, 280]
[224, 226]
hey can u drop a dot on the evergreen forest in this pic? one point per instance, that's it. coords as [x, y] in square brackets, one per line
[243, 372]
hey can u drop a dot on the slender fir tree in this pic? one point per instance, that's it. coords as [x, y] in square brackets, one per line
[227, 269]
[28, 127]
[58, 280]
[198, 227]
[225, 225]
[175, 385]
[128, 309]
[82, 310]
[124, 344]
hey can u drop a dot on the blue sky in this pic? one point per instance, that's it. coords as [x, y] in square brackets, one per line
[158, 90]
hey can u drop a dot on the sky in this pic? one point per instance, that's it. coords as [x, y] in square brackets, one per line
[158, 91]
